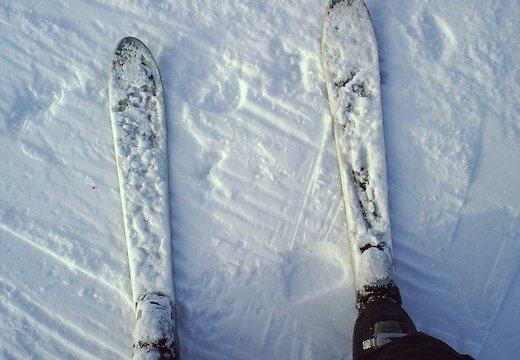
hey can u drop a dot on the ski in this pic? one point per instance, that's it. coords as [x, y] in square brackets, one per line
[137, 112]
[351, 65]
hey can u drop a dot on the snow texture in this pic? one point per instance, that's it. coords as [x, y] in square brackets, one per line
[262, 261]
[351, 69]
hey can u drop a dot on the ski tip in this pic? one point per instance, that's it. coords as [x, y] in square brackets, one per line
[130, 49]
[130, 40]
[333, 3]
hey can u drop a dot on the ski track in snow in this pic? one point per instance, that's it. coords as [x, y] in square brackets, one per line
[261, 258]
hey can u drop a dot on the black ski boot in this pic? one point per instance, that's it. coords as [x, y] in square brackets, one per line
[378, 323]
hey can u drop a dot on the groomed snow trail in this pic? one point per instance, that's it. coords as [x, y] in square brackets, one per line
[261, 256]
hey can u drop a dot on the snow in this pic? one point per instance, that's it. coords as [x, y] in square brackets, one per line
[260, 253]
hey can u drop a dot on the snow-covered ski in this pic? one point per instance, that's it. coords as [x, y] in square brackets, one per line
[137, 112]
[351, 65]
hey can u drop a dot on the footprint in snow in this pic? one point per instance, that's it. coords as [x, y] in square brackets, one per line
[285, 68]
[313, 270]
[210, 83]
[440, 41]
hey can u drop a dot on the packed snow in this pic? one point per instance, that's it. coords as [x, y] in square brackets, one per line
[262, 263]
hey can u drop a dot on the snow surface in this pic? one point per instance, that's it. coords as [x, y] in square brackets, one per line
[260, 251]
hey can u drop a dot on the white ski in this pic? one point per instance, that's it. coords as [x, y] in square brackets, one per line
[138, 118]
[351, 64]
